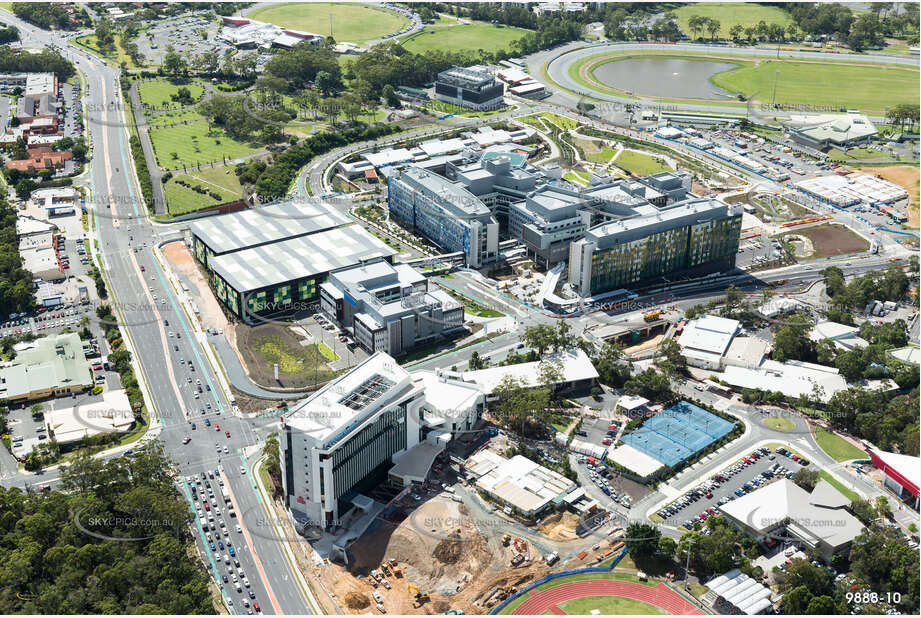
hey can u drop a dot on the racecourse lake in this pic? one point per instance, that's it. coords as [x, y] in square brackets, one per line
[674, 78]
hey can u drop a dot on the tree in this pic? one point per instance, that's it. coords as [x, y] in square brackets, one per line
[882, 505]
[651, 385]
[642, 540]
[174, 64]
[539, 336]
[696, 23]
[608, 361]
[796, 601]
[550, 373]
[326, 82]
[806, 478]
[477, 362]
[821, 605]
[713, 27]
[667, 547]
[735, 32]
[390, 96]
[671, 360]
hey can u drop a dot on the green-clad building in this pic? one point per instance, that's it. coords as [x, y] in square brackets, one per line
[695, 235]
[271, 260]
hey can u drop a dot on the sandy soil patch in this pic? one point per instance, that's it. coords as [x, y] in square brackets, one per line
[833, 239]
[182, 263]
[441, 551]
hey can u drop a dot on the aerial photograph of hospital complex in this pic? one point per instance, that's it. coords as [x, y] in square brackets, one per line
[460, 308]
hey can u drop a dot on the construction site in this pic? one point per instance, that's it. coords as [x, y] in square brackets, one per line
[436, 556]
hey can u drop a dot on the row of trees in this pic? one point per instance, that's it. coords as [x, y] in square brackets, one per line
[15, 281]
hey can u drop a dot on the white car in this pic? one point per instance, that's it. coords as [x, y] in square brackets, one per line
[239, 529]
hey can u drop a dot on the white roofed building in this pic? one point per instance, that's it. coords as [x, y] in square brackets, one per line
[518, 483]
[706, 339]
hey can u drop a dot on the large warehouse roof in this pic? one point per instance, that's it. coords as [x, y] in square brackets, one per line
[575, 365]
[259, 226]
[518, 481]
[709, 333]
[298, 258]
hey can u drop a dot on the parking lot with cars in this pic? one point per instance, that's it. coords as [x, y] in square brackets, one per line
[602, 432]
[190, 35]
[752, 471]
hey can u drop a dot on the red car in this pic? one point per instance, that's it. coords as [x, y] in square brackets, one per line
[217, 427]
[256, 606]
[142, 268]
[612, 426]
[606, 442]
[227, 433]
[207, 506]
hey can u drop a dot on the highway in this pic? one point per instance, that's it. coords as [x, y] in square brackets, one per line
[169, 362]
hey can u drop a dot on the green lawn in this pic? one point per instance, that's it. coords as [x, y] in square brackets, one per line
[165, 118]
[464, 37]
[640, 163]
[779, 423]
[869, 88]
[354, 23]
[118, 56]
[731, 13]
[156, 93]
[290, 359]
[194, 144]
[608, 606]
[837, 447]
[576, 177]
[602, 157]
[850, 495]
[181, 199]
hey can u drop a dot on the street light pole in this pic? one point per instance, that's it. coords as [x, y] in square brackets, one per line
[687, 565]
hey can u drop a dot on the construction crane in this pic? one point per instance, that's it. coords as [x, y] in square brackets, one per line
[420, 596]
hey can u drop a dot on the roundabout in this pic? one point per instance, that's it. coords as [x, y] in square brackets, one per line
[711, 78]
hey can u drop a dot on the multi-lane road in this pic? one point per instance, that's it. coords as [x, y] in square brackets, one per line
[169, 361]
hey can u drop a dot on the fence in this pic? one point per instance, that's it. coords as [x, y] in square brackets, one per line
[552, 576]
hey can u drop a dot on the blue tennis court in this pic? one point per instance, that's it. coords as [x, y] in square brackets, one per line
[677, 433]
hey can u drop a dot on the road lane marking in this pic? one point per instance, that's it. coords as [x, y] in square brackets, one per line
[249, 543]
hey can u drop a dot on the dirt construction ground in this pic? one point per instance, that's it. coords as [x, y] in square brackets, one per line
[906, 176]
[832, 239]
[440, 551]
[183, 265]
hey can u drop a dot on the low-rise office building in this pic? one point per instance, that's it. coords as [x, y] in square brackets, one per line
[389, 308]
[469, 88]
[521, 485]
[822, 131]
[783, 511]
[46, 367]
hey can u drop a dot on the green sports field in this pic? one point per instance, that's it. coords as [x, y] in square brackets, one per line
[731, 13]
[355, 23]
[194, 144]
[609, 606]
[868, 88]
[463, 37]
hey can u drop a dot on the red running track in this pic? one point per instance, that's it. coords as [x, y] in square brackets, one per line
[660, 595]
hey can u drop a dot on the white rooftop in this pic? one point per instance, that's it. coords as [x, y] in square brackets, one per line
[575, 365]
[518, 481]
[447, 397]
[792, 378]
[632, 402]
[298, 258]
[784, 501]
[844, 336]
[265, 224]
[331, 410]
[906, 465]
[635, 460]
[709, 333]
[111, 414]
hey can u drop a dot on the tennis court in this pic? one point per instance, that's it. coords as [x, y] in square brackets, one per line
[677, 433]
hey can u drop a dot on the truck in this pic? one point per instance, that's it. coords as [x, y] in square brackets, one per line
[740, 144]
[518, 559]
[551, 558]
[652, 315]
[226, 495]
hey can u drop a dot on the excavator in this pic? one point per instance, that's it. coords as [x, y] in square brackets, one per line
[420, 596]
